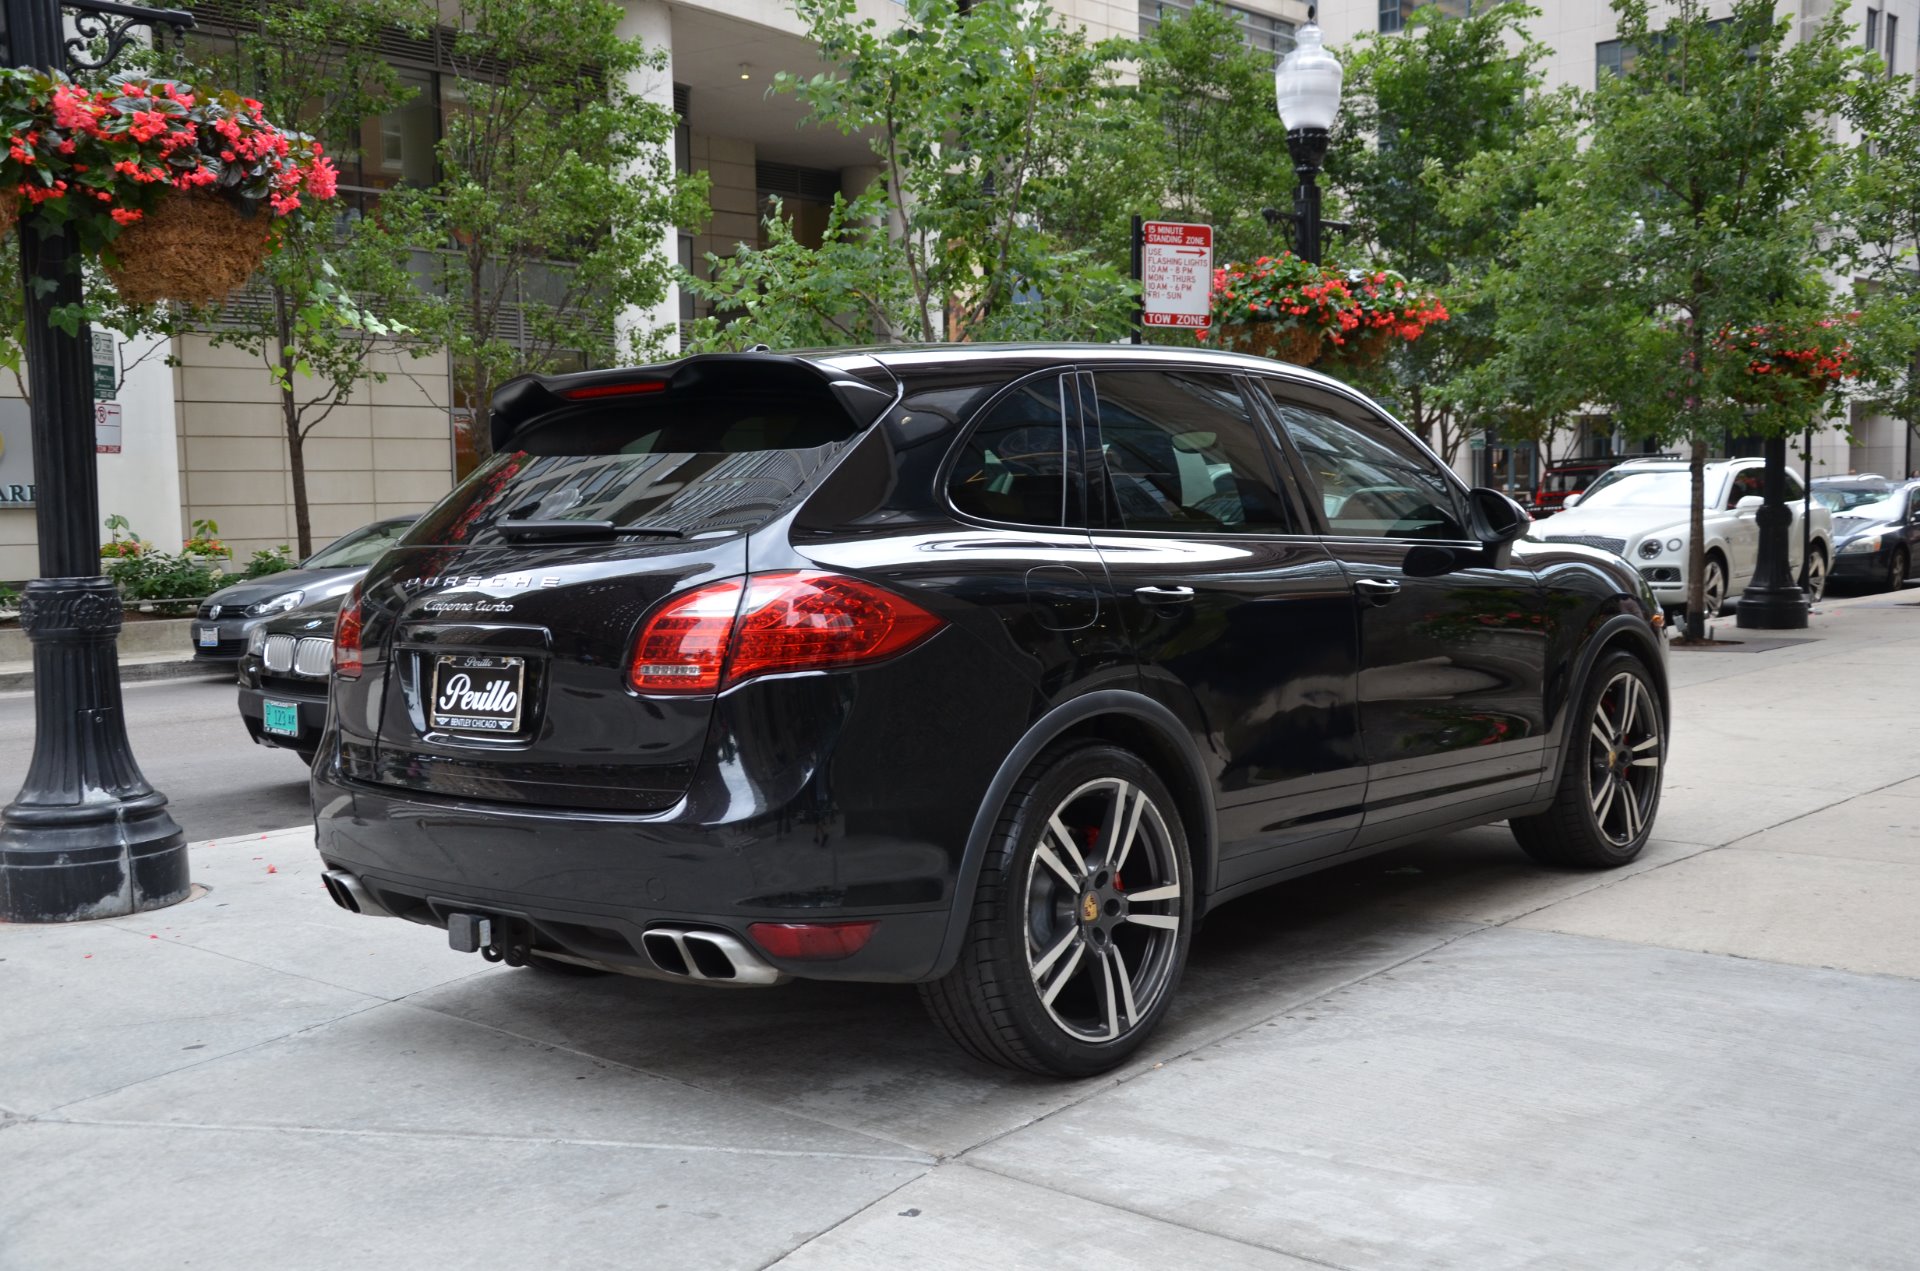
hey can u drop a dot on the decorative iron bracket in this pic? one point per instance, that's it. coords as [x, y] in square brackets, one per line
[95, 20]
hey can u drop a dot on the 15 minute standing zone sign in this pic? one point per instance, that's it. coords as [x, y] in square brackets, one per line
[1176, 274]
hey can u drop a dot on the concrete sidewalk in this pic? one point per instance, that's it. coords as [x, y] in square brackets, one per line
[1440, 1057]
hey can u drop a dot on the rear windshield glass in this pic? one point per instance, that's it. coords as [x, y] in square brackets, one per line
[707, 465]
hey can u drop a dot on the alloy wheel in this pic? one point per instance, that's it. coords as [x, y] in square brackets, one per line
[1623, 768]
[1816, 575]
[1714, 590]
[1103, 910]
[1897, 572]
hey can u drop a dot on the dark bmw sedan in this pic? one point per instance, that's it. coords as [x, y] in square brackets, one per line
[220, 627]
[990, 669]
[282, 678]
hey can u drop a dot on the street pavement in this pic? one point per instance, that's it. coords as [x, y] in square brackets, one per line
[1442, 1057]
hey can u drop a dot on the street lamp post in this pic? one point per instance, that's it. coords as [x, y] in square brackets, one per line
[1773, 601]
[1306, 88]
[87, 836]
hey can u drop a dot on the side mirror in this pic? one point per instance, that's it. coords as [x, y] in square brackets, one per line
[1496, 518]
[1571, 499]
[1749, 504]
[1497, 522]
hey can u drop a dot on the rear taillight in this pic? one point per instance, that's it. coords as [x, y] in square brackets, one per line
[713, 637]
[346, 637]
[812, 941]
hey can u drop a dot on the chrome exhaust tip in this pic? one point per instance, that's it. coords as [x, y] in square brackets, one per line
[352, 895]
[712, 957]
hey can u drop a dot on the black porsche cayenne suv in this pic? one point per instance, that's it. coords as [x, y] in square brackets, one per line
[990, 669]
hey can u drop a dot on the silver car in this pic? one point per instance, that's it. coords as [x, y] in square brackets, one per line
[219, 631]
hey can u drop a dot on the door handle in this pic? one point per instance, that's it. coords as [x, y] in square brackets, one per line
[1376, 591]
[1164, 595]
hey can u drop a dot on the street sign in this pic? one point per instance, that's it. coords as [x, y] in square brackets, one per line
[1176, 274]
[106, 428]
[106, 366]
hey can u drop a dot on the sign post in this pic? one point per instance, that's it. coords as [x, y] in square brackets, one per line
[1176, 274]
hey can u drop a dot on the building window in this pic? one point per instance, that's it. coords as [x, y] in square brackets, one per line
[1893, 42]
[1873, 28]
[1260, 31]
[1608, 56]
[1390, 17]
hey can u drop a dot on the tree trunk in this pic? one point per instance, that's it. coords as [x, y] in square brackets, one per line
[1697, 542]
[290, 418]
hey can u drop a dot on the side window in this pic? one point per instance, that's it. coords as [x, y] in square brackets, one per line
[1372, 480]
[1747, 481]
[1183, 452]
[1795, 491]
[1012, 466]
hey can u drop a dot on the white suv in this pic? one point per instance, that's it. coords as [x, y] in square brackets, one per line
[1639, 511]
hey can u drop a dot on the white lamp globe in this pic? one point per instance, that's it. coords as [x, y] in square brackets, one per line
[1306, 84]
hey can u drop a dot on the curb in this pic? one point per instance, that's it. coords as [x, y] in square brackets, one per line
[137, 672]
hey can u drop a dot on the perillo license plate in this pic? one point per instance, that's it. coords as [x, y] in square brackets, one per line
[477, 694]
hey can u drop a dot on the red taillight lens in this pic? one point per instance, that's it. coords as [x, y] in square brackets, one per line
[346, 637]
[811, 941]
[589, 392]
[710, 639]
[683, 647]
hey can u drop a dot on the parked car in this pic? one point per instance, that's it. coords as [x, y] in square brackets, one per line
[1876, 527]
[219, 632]
[986, 668]
[282, 677]
[1639, 511]
[1571, 477]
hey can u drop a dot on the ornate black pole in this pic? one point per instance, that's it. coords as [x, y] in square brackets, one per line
[86, 837]
[1308, 146]
[1772, 601]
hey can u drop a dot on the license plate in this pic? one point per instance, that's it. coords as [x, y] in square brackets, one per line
[477, 695]
[282, 718]
[209, 637]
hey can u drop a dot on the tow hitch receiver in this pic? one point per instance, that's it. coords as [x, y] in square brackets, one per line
[469, 933]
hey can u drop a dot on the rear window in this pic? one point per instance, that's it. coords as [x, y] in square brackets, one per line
[700, 465]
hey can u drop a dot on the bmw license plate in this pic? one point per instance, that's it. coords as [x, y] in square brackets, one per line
[477, 695]
[282, 719]
[209, 637]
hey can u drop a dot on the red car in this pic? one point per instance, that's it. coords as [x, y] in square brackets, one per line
[1572, 477]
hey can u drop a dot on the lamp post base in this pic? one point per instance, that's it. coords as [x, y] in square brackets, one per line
[86, 837]
[1771, 609]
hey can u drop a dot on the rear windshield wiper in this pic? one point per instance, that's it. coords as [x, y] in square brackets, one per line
[530, 529]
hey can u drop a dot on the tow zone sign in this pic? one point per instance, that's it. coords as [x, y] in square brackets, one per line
[1176, 274]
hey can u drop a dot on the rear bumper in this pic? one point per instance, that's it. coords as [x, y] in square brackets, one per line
[590, 884]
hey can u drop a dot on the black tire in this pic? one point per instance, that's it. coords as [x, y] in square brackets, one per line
[1897, 570]
[1089, 944]
[1588, 826]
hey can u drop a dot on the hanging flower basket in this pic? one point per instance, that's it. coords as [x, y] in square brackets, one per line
[179, 191]
[1281, 341]
[194, 248]
[1789, 365]
[1284, 308]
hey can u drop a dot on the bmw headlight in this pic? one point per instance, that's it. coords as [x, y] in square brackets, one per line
[279, 604]
[257, 639]
[1864, 543]
[1650, 549]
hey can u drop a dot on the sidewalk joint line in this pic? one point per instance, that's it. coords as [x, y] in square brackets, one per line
[890, 1193]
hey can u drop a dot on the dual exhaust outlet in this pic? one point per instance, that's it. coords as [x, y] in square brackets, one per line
[677, 953]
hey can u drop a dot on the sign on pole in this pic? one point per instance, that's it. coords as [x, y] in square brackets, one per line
[1176, 274]
[106, 366]
[106, 428]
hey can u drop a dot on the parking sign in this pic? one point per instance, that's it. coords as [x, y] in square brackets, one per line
[1176, 274]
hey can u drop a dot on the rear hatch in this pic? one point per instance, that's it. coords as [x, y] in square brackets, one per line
[499, 637]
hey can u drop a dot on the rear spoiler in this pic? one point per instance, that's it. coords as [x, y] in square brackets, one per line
[521, 400]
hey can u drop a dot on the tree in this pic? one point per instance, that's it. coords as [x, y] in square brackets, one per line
[555, 194]
[1692, 207]
[1422, 107]
[317, 326]
[972, 110]
[1883, 220]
